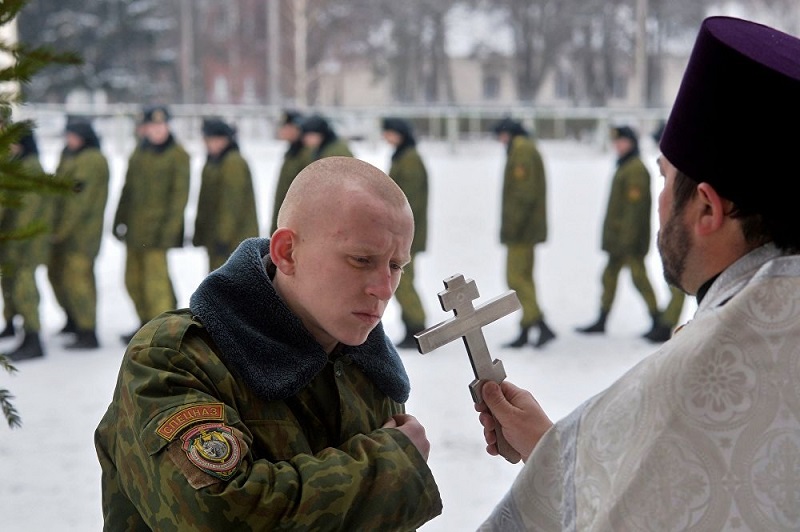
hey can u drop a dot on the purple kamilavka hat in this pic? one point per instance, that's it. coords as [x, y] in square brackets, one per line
[736, 120]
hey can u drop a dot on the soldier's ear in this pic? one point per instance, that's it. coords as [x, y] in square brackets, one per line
[281, 250]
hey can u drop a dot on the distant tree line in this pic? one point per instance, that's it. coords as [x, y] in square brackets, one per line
[133, 49]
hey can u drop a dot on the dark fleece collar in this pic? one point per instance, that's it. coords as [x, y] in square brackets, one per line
[266, 345]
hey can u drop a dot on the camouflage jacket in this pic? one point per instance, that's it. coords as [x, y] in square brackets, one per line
[524, 209]
[295, 159]
[79, 216]
[409, 172]
[154, 196]
[229, 416]
[36, 206]
[626, 229]
[226, 205]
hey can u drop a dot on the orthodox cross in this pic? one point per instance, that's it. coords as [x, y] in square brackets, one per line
[466, 324]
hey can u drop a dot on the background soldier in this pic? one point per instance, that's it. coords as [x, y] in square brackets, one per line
[78, 231]
[295, 159]
[19, 258]
[524, 224]
[319, 137]
[626, 231]
[226, 206]
[149, 217]
[408, 171]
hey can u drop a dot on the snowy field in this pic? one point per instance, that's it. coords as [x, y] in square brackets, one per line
[50, 475]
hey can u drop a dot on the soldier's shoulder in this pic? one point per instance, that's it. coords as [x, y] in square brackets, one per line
[167, 330]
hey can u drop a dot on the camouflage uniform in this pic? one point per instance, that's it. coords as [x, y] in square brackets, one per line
[626, 231]
[409, 172]
[19, 258]
[228, 415]
[524, 221]
[149, 219]
[295, 159]
[77, 234]
[226, 206]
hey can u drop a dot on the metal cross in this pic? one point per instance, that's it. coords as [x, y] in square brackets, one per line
[467, 324]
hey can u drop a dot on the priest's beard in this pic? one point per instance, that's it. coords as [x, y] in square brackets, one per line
[673, 242]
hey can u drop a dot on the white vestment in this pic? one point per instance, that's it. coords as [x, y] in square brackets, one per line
[703, 435]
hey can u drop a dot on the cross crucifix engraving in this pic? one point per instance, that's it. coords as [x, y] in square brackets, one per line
[467, 323]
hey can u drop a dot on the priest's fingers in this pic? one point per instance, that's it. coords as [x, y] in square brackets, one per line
[521, 417]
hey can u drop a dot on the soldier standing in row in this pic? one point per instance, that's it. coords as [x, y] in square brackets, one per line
[150, 215]
[524, 224]
[226, 206]
[295, 159]
[319, 137]
[626, 229]
[409, 172]
[20, 257]
[78, 231]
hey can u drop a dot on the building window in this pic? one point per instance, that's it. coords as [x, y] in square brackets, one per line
[491, 87]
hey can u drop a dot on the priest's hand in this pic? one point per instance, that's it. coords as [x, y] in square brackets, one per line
[413, 429]
[521, 417]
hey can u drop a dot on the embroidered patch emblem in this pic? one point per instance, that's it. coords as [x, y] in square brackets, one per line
[520, 172]
[213, 448]
[634, 194]
[188, 416]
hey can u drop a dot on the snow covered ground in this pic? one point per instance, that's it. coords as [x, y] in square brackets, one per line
[50, 475]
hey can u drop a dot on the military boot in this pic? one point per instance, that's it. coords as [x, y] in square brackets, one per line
[597, 327]
[521, 340]
[31, 347]
[545, 334]
[69, 327]
[84, 339]
[659, 333]
[9, 331]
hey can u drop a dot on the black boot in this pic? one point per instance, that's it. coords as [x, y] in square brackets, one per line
[9, 331]
[597, 327]
[69, 327]
[84, 339]
[545, 334]
[31, 347]
[521, 340]
[659, 333]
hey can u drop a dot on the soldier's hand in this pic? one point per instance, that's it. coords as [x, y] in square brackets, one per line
[120, 230]
[413, 429]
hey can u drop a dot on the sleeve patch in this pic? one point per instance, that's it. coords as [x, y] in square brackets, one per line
[520, 172]
[634, 194]
[190, 415]
[213, 448]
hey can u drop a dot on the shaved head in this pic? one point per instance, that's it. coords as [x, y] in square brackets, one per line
[324, 186]
[344, 234]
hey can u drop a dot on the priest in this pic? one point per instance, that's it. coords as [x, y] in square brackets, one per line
[704, 434]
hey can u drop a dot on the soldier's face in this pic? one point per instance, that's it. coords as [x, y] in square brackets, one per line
[73, 141]
[392, 137]
[289, 132]
[312, 140]
[215, 145]
[345, 267]
[156, 132]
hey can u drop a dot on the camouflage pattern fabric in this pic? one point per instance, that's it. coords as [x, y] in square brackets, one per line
[337, 147]
[148, 282]
[230, 416]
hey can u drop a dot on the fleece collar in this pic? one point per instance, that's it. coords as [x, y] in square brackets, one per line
[266, 345]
